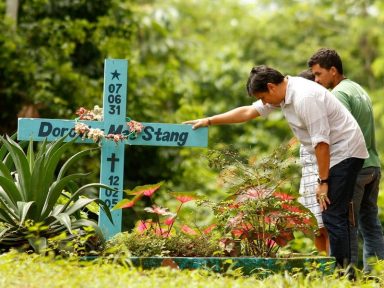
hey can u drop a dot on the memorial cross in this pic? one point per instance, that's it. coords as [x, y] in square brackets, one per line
[114, 122]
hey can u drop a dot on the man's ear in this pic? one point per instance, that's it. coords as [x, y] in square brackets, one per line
[271, 86]
[333, 70]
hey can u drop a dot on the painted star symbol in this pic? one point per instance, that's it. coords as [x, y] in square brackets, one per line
[115, 75]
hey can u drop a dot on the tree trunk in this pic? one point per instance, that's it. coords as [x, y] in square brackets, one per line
[11, 10]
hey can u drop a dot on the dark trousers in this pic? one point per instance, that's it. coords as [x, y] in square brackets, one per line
[342, 179]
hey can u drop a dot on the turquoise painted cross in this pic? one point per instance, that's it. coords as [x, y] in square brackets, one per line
[114, 122]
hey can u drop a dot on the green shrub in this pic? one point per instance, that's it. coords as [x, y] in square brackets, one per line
[150, 244]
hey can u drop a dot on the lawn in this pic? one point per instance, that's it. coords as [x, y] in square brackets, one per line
[22, 270]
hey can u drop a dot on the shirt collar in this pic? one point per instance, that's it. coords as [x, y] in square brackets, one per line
[288, 93]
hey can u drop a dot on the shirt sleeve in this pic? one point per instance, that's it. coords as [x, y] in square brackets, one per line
[264, 110]
[313, 113]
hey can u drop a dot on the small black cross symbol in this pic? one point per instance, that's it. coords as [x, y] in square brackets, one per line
[113, 159]
[115, 74]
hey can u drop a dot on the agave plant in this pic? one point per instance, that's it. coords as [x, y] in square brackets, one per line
[30, 186]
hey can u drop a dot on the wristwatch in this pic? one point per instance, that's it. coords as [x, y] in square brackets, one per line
[322, 181]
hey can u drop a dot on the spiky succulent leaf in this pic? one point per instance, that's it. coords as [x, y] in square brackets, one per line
[21, 165]
[55, 192]
[9, 193]
[23, 209]
[73, 160]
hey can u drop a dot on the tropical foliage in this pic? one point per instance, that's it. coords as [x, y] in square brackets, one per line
[187, 59]
[32, 207]
[259, 212]
[161, 232]
[256, 219]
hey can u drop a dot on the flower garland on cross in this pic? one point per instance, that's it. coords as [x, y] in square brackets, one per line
[96, 134]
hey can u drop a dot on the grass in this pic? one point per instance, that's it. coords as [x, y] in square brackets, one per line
[30, 271]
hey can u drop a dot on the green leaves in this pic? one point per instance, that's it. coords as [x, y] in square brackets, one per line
[29, 194]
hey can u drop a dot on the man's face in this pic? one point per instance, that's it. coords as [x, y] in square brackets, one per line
[323, 76]
[273, 96]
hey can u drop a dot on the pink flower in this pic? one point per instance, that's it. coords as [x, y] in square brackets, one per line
[169, 221]
[144, 225]
[157, 210]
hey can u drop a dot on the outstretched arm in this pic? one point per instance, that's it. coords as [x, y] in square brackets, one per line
[237, 115]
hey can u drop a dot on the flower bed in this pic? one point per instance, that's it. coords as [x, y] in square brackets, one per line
[248, 265]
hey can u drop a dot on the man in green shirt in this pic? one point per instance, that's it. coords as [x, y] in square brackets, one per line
[327, 67]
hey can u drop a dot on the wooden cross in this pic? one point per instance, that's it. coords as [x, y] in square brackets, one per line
[114, 122]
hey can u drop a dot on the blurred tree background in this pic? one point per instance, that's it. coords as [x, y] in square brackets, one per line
[187, 59]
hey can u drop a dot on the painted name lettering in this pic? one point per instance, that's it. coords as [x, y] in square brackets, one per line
[166, 136]
[47, 129]
[118, 130]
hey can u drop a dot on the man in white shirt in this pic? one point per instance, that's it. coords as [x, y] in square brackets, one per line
[325, 128]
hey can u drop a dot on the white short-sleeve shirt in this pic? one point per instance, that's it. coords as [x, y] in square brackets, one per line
[315, 115]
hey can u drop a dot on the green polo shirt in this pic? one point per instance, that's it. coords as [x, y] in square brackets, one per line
[357, 101]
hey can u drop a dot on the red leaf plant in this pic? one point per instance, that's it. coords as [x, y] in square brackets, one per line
[259, 212]
[156, 224]
[262, 220]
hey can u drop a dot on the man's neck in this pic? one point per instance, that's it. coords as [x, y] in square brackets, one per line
[338, 79]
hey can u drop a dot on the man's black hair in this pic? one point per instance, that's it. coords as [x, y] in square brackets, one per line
[326, 58]
[260, 76]
[307, 74]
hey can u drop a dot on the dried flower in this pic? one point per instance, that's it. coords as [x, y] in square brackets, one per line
[135, 128]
